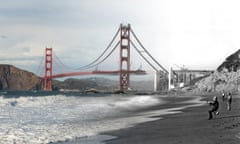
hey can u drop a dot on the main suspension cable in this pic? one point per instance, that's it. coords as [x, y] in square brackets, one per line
[109, 45]
[148, 52]
[90, 66]
[139, 52]
[40, 66]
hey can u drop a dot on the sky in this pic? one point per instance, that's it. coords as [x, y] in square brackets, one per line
[185, 33]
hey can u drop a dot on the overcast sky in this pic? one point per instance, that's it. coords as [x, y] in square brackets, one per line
[197, 34]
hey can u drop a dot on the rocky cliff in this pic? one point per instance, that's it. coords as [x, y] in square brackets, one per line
[231, 63]
[225, 79]
[12, 78]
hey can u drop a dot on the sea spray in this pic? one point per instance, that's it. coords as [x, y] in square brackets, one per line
[59, 117]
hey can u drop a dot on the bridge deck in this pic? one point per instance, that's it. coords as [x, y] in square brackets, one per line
[136, 72]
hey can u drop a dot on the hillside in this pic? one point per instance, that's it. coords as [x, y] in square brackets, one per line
[225, 78]
[83, 84]
[99, 83]
[12, 78]
[231, 63]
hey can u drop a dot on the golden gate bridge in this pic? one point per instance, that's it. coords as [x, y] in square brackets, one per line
[125, 38]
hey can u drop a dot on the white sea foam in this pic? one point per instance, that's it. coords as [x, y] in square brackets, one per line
[34, 120]
[136, 102]
[56, 118]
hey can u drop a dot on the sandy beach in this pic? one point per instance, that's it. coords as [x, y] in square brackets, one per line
[190, 127]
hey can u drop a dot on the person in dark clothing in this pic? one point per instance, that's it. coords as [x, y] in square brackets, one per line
[214, 105]
[229, 101]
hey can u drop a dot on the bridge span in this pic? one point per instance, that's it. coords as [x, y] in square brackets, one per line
[126, 39]
[184, 76]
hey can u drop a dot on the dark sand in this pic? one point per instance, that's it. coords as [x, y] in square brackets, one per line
[190, 127]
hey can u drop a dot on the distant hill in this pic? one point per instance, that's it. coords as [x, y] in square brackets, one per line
[12, 78]
[99, 83]
[84, 84]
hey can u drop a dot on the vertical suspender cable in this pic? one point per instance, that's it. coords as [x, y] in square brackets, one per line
[148, 52]
[90, 66]
[143, 56]
[109, 45]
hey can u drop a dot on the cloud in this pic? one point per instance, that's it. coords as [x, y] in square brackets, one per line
[3, 37]
[174, 32]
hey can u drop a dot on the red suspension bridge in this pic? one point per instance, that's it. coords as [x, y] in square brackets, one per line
[125, 38]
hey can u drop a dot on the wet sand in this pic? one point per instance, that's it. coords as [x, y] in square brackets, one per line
[190, 127]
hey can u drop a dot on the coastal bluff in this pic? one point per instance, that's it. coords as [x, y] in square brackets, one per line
[231, 63]
[13, 78]
[226, 77]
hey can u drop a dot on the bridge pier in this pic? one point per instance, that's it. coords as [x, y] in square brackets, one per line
[156, 81]
[161, 82]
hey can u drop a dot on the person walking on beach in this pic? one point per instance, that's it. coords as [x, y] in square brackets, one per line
[214, 105]
[229, 101]
[223, 96]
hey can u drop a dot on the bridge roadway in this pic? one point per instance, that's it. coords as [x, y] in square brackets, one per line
[193, 71]
[116, 72]
[186, 76]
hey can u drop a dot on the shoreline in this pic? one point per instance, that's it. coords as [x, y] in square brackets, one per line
[190, 126]
[173, 105]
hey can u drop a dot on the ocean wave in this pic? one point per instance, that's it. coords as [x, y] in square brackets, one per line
[136, 102]
[29, 119]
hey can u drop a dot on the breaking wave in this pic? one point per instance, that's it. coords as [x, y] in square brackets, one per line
[30, 119]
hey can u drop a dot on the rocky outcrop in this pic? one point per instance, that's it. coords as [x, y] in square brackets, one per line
[231, 64]
[220, 82]
[12, 78]
[225, 79]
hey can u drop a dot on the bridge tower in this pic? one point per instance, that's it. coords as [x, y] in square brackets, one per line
[47, 79]
[124, 57]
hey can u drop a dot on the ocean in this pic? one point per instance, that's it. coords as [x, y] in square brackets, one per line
[54, 117]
